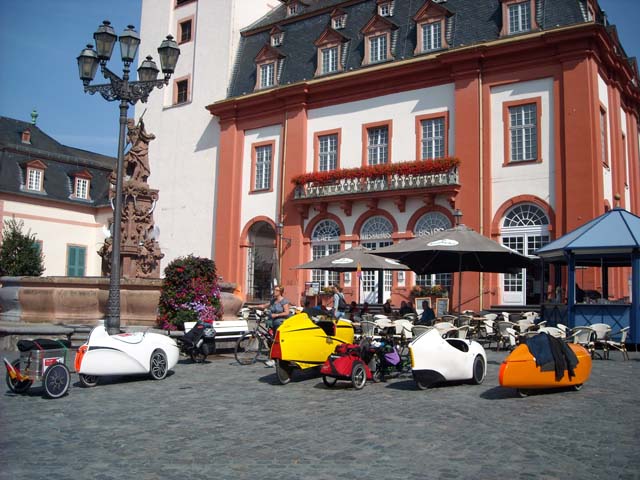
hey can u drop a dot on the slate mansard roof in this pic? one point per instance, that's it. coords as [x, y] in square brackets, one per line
[471, 22]
[62, 163]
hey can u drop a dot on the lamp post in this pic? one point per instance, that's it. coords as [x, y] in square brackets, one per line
[457, 216]
[126, 93]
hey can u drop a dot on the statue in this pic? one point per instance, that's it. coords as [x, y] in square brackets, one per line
[137, 158]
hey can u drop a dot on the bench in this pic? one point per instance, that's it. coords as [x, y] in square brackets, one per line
[225, 330]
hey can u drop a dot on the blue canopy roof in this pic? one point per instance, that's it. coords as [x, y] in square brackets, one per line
[606, 240]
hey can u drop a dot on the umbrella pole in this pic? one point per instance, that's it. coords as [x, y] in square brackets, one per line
[459, 287]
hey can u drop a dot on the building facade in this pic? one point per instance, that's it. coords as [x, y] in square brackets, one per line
[183, 155]
[60, 193]
[366, 122]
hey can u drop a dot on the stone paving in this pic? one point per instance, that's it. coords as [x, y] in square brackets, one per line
[226, 421]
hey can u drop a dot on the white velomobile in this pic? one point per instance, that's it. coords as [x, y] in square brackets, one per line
[125, 354]
[435, 360]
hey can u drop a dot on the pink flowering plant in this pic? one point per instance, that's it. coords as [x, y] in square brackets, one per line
[190, 293]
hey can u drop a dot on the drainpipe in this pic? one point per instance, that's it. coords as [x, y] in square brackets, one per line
[280, 201]
[481, 189]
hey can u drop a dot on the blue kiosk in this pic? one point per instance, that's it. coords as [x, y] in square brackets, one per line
[610, 240]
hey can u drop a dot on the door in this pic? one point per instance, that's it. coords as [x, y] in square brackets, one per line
[525, 229]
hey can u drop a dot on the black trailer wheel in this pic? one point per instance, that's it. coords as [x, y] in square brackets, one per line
[329, 381]
[375, 365]
[158, 365]
[200, 354]
[284, 371]
[88, 380]
[358, 375]
[15, 385]
[56, 380]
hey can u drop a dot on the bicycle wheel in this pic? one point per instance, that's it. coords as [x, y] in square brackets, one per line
[248, 347]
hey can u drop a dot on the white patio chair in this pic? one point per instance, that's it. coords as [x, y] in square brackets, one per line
[490, 316]
[553, 331]
[418, 330]
[460, 332]
[584, 336]
[487, 332]
[443, 327]
[619, 345]
[369, 329]
[603, 331]
[524, 325]
[403, 328]
[507, 334]
[463, 320]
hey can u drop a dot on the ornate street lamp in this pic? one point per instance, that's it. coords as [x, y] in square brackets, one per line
[128, 93]
[457, 216]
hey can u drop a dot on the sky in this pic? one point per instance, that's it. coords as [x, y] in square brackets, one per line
[40, 40]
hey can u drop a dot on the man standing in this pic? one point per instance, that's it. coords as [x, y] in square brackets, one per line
[339, 303]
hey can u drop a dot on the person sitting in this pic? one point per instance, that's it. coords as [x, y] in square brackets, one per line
[353, 310]
[428, 316]
[387, 308]
[278, 307]
[405, 308]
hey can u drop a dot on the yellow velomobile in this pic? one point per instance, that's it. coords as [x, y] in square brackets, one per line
[302, 342]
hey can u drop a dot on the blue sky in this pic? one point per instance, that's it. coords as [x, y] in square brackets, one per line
[40, 40]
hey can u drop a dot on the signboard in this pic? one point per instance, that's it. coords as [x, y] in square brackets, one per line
[311, 288]
[442, 306]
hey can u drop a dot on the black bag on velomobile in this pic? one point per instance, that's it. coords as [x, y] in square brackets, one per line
[194, 335]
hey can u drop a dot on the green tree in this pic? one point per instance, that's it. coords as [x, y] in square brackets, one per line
[20, 253]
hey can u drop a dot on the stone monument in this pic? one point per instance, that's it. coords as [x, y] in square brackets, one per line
[139, 252]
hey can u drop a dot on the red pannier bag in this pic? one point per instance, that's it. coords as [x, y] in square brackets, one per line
[340, 363]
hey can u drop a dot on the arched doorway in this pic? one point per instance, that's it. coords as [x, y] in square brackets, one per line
[428, 224]
[325, 240]
[525, 228]
[262, 261]
[376, 233]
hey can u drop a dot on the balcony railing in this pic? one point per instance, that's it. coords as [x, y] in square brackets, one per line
[347, 186]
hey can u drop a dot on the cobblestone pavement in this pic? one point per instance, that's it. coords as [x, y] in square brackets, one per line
[225, 421]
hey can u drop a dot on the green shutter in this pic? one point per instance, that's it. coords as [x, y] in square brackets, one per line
[76, 261]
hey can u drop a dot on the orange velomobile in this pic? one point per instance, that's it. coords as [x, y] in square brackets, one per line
[519, 370]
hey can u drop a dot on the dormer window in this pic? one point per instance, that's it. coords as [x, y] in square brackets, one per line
[377, 33]
[34, 178]
[82, 185]
[431, 22]
[385, 8]
[292, 8]
[277, 35]
[26, 136]
[268, 63]
[329, 45]
[339, 22]
[276, 40]
[518, 16]
[267, 75]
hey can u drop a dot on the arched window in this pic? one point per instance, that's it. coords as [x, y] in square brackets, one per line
[376, 227]
[376, 233]
[525, 228]
[525, 215]
[428, 224]
[431, 222]
[325, 240]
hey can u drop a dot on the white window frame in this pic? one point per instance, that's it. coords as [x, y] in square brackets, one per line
[431, 36]
[523, 132]
[339, 22]
[378, 48]
[327, 152]
[433, 138]
[329, 59]
[384, 9]
[378, 145]
[267, 75]
[264, 158]
[81, 188]
[35, 178]
[520, 17]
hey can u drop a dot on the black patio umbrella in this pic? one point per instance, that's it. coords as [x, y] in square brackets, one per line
[352, 260]
[459, 249]
[349, 259]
